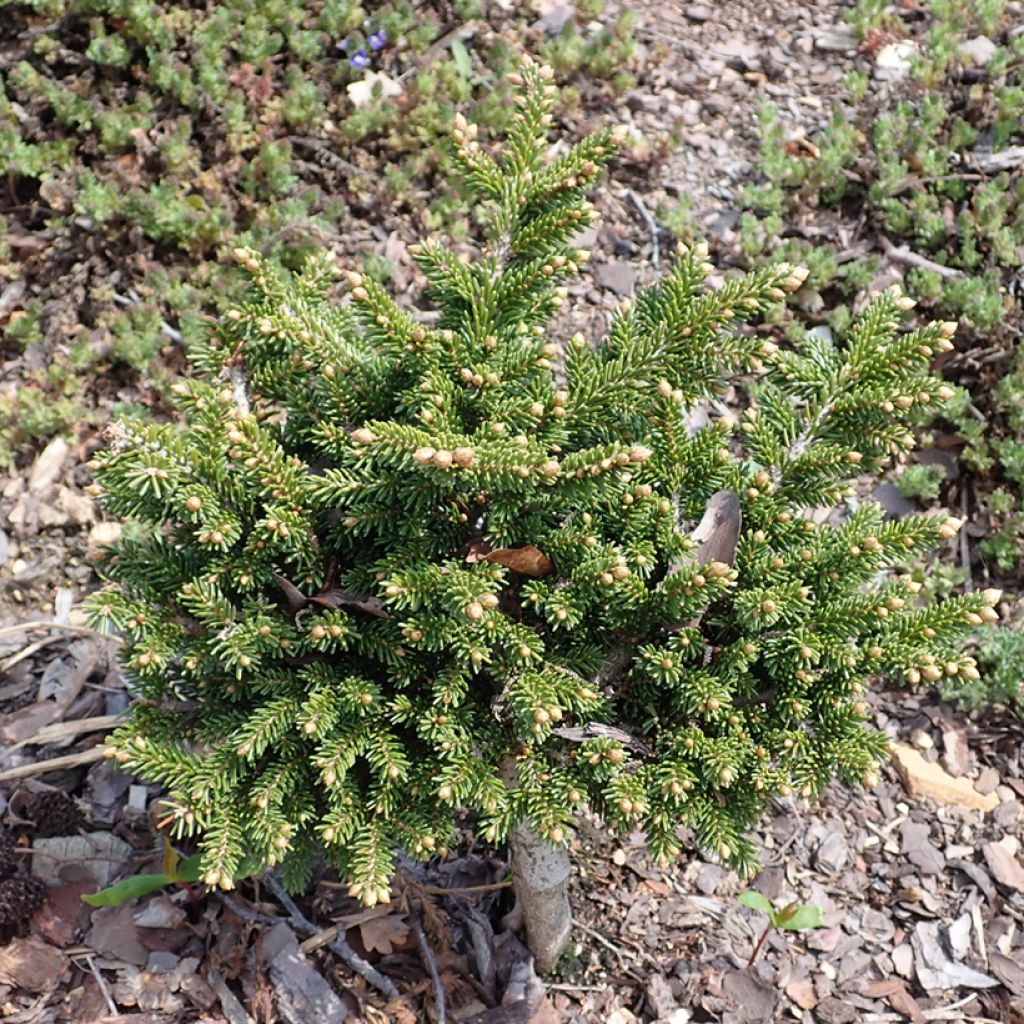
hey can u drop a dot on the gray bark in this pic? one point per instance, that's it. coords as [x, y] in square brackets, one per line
[540, 873]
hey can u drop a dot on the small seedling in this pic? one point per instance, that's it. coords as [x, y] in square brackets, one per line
[793, 917]
[175, 872]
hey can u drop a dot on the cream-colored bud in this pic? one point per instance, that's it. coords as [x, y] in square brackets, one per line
[363, 436]
[464, 457]
[442, 458]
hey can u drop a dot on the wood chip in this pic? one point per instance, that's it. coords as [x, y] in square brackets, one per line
[1002, 861]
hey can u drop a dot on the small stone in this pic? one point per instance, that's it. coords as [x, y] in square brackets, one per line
[923, 779]
[48, 465]
[892, 63]
[697, 12]
[622, 1016]
[619, 857]
[921, 739]
[977, 51]
[987, 781]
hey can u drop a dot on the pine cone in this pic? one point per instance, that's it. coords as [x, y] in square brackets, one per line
[8, 856]
[20, 897]
[54, 813]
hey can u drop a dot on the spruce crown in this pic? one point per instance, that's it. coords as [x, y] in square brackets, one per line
[384, 571]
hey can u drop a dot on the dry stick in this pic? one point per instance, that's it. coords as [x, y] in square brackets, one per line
[901, 254]
[53, 765]
[104, 987]
[60, 730]
[320, 939]
[622, 954]
[651, 226]
[428, 959]
[438, 890]
[27, 652]
[25, 627]
[245, 913]
[337, 945]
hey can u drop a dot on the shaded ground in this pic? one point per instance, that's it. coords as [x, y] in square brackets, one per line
[923, 899]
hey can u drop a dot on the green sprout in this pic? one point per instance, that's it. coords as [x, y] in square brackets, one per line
[793, 917]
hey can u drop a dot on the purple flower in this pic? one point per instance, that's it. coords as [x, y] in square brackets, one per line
[341, 44]
[378, 40]
[359, 60]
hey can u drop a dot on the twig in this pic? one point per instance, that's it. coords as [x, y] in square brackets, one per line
[245, 913]
[463, 31]
[652, 227]
[320, 939]
[438, 890]
[55, 764]
[300, 922]
[28, 627]
[622, 955]
[901, 254]
[428, 959]
[1004, 160]
[760, 943]
[165, 328]
[61, 730]
[104, 987]
[27, 652]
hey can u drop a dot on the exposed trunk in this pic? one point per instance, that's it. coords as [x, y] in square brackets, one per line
[540, 873]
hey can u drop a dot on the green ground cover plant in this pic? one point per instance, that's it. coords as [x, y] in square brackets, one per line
[155, 136]
[934, 161]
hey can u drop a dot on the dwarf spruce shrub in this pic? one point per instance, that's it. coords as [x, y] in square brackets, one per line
[384, 572]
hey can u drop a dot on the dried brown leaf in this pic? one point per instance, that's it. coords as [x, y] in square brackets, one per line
[528, 560]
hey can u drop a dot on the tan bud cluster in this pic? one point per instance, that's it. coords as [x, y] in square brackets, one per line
[464, 457]
[950, 528]
[794, 277]
[363, 436]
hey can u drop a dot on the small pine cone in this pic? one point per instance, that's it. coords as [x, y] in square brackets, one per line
[20, 897]
[54, 813]
[8, 856]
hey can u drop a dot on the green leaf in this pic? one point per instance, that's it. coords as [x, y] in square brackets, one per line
[801, 919]
[138, 885]
[127, 889]
[757, 901]
[188, 869]
[462, 61]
